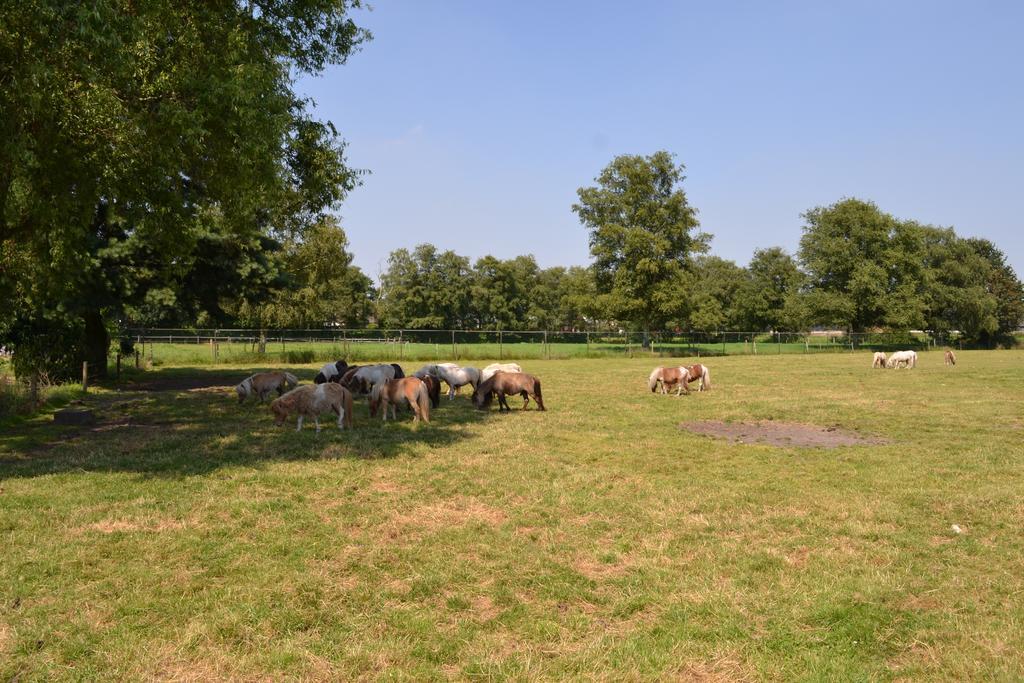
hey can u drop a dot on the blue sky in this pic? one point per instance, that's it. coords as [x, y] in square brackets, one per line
[479, 120]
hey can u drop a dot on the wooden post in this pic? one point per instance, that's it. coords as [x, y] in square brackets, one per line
[137, 360]
[455, 354]
[779, 338]
[118, 375]
[588, 343]
[401, 352]
[547, 349]
[85, 375]
[33, 389]
[500, 356]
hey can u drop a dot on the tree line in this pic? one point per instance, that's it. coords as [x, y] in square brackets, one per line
[158, 168]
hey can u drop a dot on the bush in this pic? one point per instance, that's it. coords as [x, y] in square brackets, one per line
[296, 357]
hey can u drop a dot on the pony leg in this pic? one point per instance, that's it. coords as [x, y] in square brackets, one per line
[316, 421]
[341, 418]
[526, 398]
[299, 428]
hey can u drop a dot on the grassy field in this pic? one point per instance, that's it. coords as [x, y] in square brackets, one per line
[186, 538]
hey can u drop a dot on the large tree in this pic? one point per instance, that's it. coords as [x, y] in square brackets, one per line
[864, 267]
[425, 289]
[140, 138]
[321, 285]
[773, 279]
[642, 236]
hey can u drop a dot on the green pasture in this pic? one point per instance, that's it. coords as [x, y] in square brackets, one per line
[184, 537]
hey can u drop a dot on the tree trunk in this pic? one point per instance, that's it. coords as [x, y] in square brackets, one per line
[95, 343]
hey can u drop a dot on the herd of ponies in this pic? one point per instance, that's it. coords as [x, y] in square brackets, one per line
[387, 388]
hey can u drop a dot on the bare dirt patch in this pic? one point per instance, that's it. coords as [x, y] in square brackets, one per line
[783, 434]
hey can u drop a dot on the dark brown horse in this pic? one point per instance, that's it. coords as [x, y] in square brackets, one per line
[506, 384]
[433, 389]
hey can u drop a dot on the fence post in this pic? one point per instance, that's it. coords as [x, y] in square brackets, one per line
[150, 354]
[137, 359]
[500, 350]
[85, 375]
[344, 341]
[118, 375]
[778, 337]
[401, 351]
[588, 343]
[547, 351]
[455, 353]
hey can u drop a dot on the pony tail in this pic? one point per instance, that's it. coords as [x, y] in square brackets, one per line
[423, 399]
[706, 376]
[652, 381]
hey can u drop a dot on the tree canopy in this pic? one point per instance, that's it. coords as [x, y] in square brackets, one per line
[142, 139]
[642, 236]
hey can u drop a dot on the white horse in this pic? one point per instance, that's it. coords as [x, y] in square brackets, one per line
[486, 373]
[431, 370]
[908, 358]
[878, 360]
[369, 376]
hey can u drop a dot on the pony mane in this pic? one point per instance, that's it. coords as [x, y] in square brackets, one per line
[652, 380]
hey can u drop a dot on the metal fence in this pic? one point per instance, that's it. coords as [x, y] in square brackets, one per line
[309, 345]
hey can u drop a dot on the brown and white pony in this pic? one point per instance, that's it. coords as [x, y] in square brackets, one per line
[680, 378]
[262, 383]
[669, 378]
[393, 392]
[950, 357]
[312, 400]
[878, 360]
[507, 384]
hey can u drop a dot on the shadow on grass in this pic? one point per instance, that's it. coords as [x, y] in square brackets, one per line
[187, 421]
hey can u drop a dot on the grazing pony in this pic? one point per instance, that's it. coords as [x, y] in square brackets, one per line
[331, 372]
[669, 377]
[311, 401]
[908, 358]
[431, 369]
[878, 360]
[506, 384]
[486, 373]
[950, 357]
[457, 377]
[262, 383]
[366, 377]
[433, 385]
[392, 392]
[697, 372]
[680, 378]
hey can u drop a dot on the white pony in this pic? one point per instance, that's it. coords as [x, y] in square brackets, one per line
[431, 370]
[454, 376]
[908, 358]
[486, 373]
[369, 376]
[878, 360]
